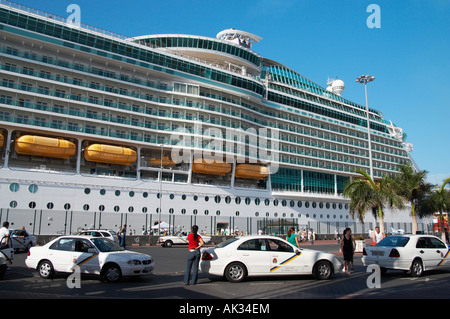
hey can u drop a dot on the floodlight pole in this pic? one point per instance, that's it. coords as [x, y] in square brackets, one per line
[366, 79]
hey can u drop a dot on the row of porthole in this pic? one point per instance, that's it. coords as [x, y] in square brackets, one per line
[101, 208]
[14, 187]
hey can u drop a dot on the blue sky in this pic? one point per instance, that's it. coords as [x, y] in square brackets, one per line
[409, 55]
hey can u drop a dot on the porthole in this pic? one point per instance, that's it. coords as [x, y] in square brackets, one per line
[307, 215]
[267, 202]
[13, 204]
[170, 210]
[195, 212]
[327, 205]
[131, 194]
[14, 187]
[33, 188]
[195, 197]
[101, 208]
[66, 206]
[292, 203]
[87, 191]
[307, 204]
[334, 205]
[183, 197]
[237, 213]
[206, 212]
[116, 209]
[217, 199]
[321, 205]
[171, 196]
[228, 199]
[218, 212]
[144, 209]
[237, 200]
[158, 195]
[314, 205]
[340, 206]
[283, 203]
[117, 193]
[130, 209]
[257, 201]
[256, 214]
[248, 200]
[267, 214]
[299, 203]
[145, 194]
[50, 205]
[275, 202]
[85, 207]
[275, 215]
[32, 205]
[206, 198]
[183, 211]
[102, 192]
[346, 206]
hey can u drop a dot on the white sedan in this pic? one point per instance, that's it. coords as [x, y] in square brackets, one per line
[245, 256]
[94, 255]
[179, 239]
[21, 239]
[414, 253]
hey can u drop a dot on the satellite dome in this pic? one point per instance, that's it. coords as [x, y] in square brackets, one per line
[336, 86]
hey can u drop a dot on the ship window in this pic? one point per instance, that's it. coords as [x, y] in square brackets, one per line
[131, 209]
[237, 200]
[183, 211]
[257, 201]
[247, 200]
[171, 196]
[228, 199]
[195, 212]
[267, 214]
[50, 205]
[256, 214]
[13, 204]
[283, 203]
[102, 192]
[32, 205]
[87, 191]
[275, 202]
[101, 208]
[145, 194]
[86, 207]
[33, 188]
[218, 212]
[144, 209]
[206, 198]
[321, 205]
[267, 201]
[117, 193]
[116, 208]
[217, 199]
[314, 204]
[307, 204]
[183, 197]
[195, 197]
[206, 212]
[66, 206]
[14, 187]
[237, 213]
[131, 193]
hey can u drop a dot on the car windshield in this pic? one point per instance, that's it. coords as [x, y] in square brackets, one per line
[394, 241]
[106, 245]
[226, 242]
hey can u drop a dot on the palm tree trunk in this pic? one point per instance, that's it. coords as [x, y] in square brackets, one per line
[414, 218]
[380, 216]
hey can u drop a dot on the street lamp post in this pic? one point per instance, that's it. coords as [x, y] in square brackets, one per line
[366, 79]
[160, 189]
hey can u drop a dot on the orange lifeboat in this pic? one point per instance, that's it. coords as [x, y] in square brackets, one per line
[2, 140]
[251, 171]
[166, 161]
[44, 146]
[214, 168]
[110, 154]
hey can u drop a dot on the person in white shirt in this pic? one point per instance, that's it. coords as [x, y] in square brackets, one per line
[377, 235]
[4, 235]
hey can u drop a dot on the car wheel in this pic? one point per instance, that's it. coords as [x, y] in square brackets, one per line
[235, 272]
[168, 244]
[323, 270]
[111, 273]
[416, 268]
[45, 269]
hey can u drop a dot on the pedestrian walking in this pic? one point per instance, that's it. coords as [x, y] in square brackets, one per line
[193, 258]
[292, 237]
[347, 248]
[123, 236]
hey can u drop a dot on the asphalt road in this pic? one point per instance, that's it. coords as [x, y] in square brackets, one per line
[165, 283]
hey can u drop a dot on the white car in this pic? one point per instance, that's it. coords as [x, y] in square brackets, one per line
[110, 234]
[414, 253]
[21, 239]
[179, 239]
[94, 255]
[245, 256]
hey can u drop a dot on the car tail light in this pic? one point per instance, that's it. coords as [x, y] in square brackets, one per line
[364, 252]
[206, 256]
[394, 253]
[29, 253]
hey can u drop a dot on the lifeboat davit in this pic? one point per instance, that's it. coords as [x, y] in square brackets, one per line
[44, 146]
[110, 154]
[213, 168]
[251, 171]
[166, 161]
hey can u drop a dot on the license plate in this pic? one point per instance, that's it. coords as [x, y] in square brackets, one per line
[377, 253]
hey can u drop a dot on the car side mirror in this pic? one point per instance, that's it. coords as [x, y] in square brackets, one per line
[297, 252]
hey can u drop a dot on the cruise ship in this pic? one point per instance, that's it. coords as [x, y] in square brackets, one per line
[100, 130]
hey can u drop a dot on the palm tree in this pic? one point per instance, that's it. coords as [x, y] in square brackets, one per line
[411, 186]
[366, 194]
[440, 199]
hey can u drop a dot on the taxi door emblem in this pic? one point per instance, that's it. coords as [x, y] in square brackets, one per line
[274, 260]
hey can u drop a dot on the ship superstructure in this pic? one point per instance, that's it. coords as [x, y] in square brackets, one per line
[100, 129]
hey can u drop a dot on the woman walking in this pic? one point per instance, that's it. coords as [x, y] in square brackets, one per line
[292, 237]
[193, 258]
[347, 249]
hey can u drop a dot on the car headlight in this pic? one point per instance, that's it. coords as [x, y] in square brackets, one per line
[134, 262]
